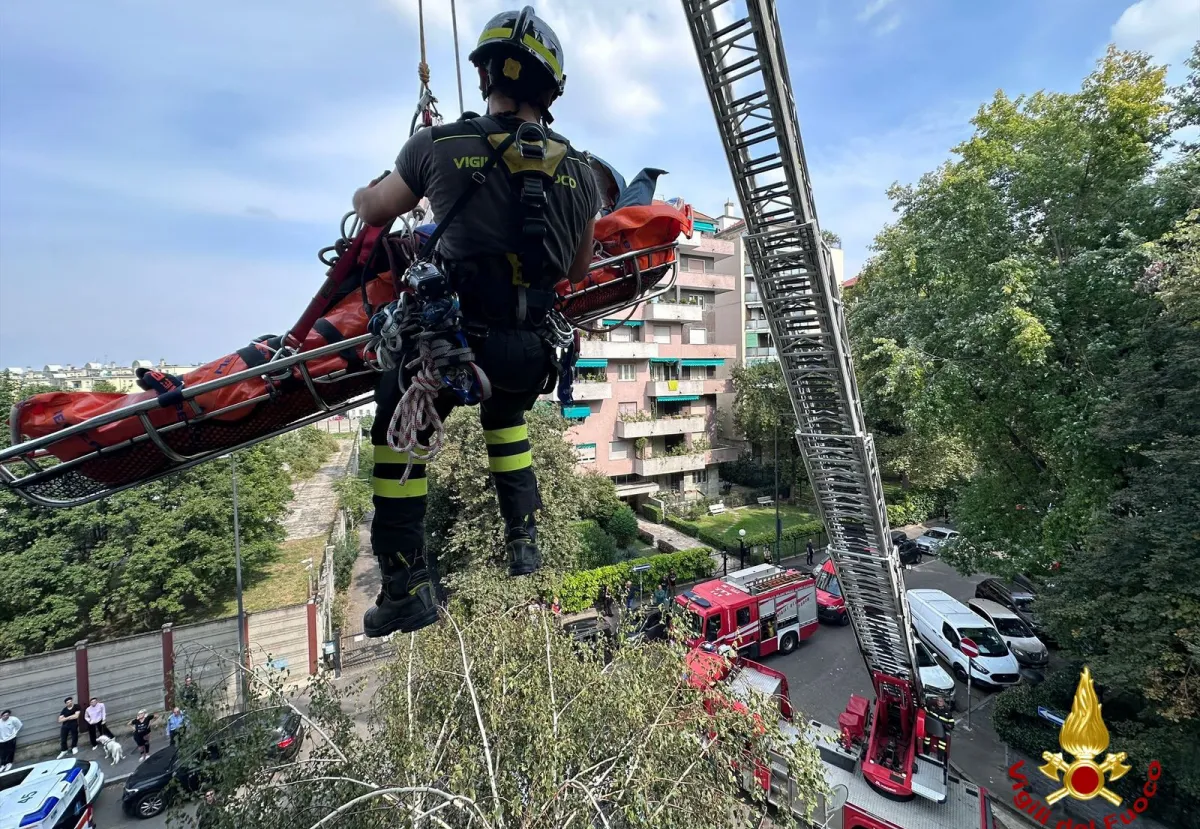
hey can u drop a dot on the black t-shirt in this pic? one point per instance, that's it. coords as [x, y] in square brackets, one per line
[440, 168]
[69, 711]
[141, 727]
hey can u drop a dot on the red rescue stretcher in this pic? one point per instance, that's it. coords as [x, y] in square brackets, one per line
[82, 446]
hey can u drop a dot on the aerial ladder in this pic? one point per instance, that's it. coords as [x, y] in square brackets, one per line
[901, 749]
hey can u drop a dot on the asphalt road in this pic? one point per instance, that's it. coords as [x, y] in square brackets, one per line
[109, 813]
[824, 671]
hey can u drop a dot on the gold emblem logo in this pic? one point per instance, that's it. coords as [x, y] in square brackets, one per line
[1084, 736]
[512, 68]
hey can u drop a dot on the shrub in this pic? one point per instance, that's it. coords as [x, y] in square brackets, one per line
[599, 548]
[747, 472]
[652, 512]
[911, 508]
[344, 555]
[623, 526]
[579, 589]
[598, 498]
[805, 529]
[354, 496]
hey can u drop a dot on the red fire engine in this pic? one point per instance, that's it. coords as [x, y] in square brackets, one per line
[758, 610]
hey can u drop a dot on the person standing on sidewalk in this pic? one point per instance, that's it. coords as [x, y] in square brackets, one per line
[95, 715]
[141, 733]
[9, 727]
[630, 595]
[68, 726]
[671, 584]
[176, 725]
[810, 551]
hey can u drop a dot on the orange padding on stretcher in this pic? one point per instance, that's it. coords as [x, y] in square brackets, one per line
[622, 231]
[631, 228]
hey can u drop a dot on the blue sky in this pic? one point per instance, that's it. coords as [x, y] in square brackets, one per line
[169, 170]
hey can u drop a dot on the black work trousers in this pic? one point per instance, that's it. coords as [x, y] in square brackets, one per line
[517, 363]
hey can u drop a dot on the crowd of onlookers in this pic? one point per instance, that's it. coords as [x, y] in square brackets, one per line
[95, 718]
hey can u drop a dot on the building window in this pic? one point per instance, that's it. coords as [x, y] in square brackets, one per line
[698, 336]
[662, 334]
[624, 409]
[626, 372]
[618, 450]
[700, 477]
[586, 452]
[710, 265]
[621, 334]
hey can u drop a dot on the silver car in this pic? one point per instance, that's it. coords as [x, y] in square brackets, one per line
[934, 538]
[1030, 651]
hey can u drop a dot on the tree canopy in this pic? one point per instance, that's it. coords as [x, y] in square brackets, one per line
[129, 563]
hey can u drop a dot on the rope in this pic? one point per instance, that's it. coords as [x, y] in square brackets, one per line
[457, 59]
[422, 67]
[416, 412]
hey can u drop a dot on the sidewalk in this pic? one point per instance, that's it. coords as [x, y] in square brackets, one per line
[42, 752]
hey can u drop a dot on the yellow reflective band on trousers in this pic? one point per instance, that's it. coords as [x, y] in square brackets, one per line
[412, 488]
[511, 463]
[386, 454]
[512, 434]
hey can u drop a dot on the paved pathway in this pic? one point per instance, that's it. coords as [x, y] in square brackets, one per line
[678, 539]
[315, 502]
[365, 582]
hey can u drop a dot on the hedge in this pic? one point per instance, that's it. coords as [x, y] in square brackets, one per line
[805, 529]
[580, 589]
[913, 508]
[653, 513]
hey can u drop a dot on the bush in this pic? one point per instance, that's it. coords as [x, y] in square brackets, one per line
[344, 555]
[912, 508]
[652, 513]
[579, 589]
[623, 526]
[747, 472]
[354, 496]
[598, 498]
[806, 529]
[599, 549]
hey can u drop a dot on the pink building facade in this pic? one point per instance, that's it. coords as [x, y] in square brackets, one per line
[646, 390]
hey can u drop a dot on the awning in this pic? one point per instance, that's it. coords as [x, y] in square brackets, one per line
[664, 359]
[576, 412]
[678, 399]
[719, 361]
[630, 323]
[591, 363]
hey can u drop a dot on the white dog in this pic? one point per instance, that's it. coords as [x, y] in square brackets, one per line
[111, 748]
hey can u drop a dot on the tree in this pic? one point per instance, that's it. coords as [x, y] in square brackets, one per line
[623, 526]
[998, 309]
[498, 719]
[464, 516]
[831, 238]
[103, 386]
[599, 549]
[762, 411]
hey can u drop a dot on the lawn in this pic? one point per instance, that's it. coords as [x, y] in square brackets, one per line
[751, 519]
[283, 582]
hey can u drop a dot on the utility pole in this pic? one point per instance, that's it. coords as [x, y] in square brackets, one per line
[241, 610]
[778, 520]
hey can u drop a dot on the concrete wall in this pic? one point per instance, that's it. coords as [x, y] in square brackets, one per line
[208, 653]
[280, 641]
[127, 675]
[34, 688]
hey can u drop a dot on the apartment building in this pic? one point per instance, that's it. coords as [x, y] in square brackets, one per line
[646, 389]
[71, 378]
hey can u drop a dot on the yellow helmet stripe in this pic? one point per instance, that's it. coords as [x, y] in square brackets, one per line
[530, 41]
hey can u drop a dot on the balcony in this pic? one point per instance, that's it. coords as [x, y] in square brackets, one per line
[718, 249]
[753, 298]
[672, 312]
[761, 351]
[670, 464]
[661, 427]
[675, 388]
[757, 325]
[636, 488]
[696, 351]
[601, 349]
[588, 390]
[718, 282]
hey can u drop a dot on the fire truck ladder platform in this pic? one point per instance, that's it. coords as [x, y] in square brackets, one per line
[745, 71]
[763, 578]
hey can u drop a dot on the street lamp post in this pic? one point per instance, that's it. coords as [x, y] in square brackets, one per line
[778, 520]
[241, 610]
[742, 544]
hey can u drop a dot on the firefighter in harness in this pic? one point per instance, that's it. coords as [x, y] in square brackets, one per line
[516, 207]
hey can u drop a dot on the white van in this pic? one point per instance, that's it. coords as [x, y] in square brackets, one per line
[942, 622]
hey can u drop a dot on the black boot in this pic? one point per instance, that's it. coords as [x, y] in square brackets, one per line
[408, 600]
[523, 555]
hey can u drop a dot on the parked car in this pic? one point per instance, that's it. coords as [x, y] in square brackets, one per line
[910, 552]
[148, 791]
[93, 775]
[937, 684]
[1017, 595]
[935, 538]
[942, 622]
[646, 624]
[1015, 631]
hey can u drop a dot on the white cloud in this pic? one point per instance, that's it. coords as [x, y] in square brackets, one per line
[873, 8]
[889, 25]
[1166, 29]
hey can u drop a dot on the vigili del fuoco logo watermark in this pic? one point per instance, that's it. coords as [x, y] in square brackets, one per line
[1084, 737]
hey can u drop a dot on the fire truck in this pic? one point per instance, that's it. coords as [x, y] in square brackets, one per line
[758, 611]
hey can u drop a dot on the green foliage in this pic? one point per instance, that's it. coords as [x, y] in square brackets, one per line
[103, 386]
[344, 556]
[911, 508]
[464, 516]
[599, 548]
[623, 526]
[747, 472]
[492, 714]
[831, 238]
[579, 590]
[305, 450]
[652, 512]
[598, 497]
[354, 495]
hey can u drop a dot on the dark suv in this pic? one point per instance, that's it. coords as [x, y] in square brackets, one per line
[148, 791]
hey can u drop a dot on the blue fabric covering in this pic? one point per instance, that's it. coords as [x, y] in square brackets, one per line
[640, 191]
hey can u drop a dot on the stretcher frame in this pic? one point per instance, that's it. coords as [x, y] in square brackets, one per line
[31, 471]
